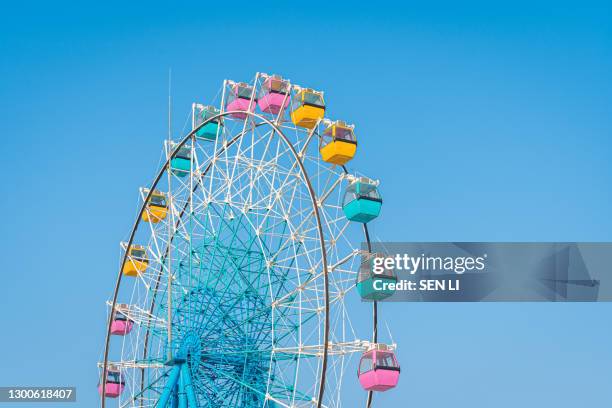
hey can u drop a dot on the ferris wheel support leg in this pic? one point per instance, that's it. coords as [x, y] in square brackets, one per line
[186, 379]
[182, 396]
[174, 403]
[169, 388]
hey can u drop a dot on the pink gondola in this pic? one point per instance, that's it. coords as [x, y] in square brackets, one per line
[378, 370]
[114, 384]
[121, 324]
[274, 95]
[240, 100]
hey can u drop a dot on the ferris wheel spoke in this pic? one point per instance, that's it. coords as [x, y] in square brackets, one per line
[239, 382]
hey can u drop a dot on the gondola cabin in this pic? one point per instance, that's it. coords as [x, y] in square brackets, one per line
[181, 162]
[210, 130]
[114, 384]
[362, 202]
[378, 369]
[307, 108]
[136, 261]
[274, 95]
[373, 284]
[240, 100]
[121, 324]
[156, 208]
[339, 143]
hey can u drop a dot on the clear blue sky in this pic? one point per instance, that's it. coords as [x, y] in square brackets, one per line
[484, 121]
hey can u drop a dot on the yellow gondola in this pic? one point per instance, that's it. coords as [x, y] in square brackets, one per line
[340, 143]
[156, 209]
[307, 107]
[136, 261]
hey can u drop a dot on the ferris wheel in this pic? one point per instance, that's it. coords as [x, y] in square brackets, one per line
[233, 282]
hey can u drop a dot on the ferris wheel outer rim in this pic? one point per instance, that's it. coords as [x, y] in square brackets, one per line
[156, 180]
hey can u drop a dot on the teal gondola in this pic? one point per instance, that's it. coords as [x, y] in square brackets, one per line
[210, 130]
[362, 201]
[374, 286]
[181, 163]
